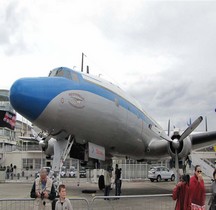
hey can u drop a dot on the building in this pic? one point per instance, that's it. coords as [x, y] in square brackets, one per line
[7, 126]
[15, 154]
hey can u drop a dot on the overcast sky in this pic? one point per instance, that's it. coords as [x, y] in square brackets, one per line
[163, 53]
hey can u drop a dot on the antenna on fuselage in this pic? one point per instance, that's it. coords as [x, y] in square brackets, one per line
[87, 69]
[82, 61]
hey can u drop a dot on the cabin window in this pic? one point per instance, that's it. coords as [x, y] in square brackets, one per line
[116, 102]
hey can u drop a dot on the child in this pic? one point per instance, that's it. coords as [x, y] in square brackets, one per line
[63, 203]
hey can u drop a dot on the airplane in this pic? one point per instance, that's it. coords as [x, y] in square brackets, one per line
[94, 120]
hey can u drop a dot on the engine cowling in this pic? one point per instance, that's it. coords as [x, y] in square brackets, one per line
[48, 146]
[184, 148]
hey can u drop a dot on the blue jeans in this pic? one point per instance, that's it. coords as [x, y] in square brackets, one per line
[117, 187]
[106, 190]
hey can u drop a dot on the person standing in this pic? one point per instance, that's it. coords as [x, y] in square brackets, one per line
[212, 201]
[197, 190]
[117, 180]
[120, 179]
[63, 202]
[43, 191]
[107, 182]
[181, 193]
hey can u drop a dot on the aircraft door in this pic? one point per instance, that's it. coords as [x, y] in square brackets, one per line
[119, 115]
[134, 129]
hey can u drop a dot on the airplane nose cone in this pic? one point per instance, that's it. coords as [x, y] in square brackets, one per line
[26, 97]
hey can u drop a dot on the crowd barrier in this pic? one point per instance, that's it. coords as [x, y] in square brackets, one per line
[134, 202]
[28, 203]
[130, 202]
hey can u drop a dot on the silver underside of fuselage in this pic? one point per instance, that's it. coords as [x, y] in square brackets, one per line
[92, 118]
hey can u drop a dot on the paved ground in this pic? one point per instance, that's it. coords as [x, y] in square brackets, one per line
[21, 188]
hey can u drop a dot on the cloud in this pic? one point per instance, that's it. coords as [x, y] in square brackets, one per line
[161, 52]
[12, 25]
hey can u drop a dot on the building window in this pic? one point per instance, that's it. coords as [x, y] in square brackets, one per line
[28, 163]
[1, 132]
[38, 165]
[67, 163]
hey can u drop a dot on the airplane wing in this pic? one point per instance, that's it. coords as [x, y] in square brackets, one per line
[28, 138]
[200, 140]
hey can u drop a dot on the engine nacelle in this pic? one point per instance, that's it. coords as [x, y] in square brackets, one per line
[183, 150]
[48, 147]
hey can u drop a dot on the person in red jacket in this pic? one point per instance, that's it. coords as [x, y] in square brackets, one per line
[197, 190]
[181, 193]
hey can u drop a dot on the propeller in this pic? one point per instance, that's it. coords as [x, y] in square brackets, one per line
[177, 139]
[176, 142]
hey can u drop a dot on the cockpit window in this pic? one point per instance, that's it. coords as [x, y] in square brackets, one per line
[68, 74]
[75, 77]
[60, 72]
[52, 73]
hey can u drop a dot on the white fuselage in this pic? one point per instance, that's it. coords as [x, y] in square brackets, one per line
[91, 110]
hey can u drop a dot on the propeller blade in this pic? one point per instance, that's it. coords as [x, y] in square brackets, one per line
[168, 130]
[167, 138]
[190, 129]
[177, 166]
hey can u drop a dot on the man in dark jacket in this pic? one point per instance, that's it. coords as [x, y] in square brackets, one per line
[117, 180]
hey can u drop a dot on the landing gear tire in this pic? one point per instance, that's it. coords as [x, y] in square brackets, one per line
[172, 178]
[101, 182]
[158, 178]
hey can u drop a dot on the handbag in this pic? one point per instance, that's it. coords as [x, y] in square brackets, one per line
[197, 207]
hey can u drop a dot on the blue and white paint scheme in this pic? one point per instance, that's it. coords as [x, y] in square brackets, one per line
[90, 109]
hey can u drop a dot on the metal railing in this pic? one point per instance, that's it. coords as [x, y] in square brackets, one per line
[16, 203]
[28, 203]
[136, 202]
[80, 203]
[130, 202]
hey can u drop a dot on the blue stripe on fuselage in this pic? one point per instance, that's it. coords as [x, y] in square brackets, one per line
[112, 96]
